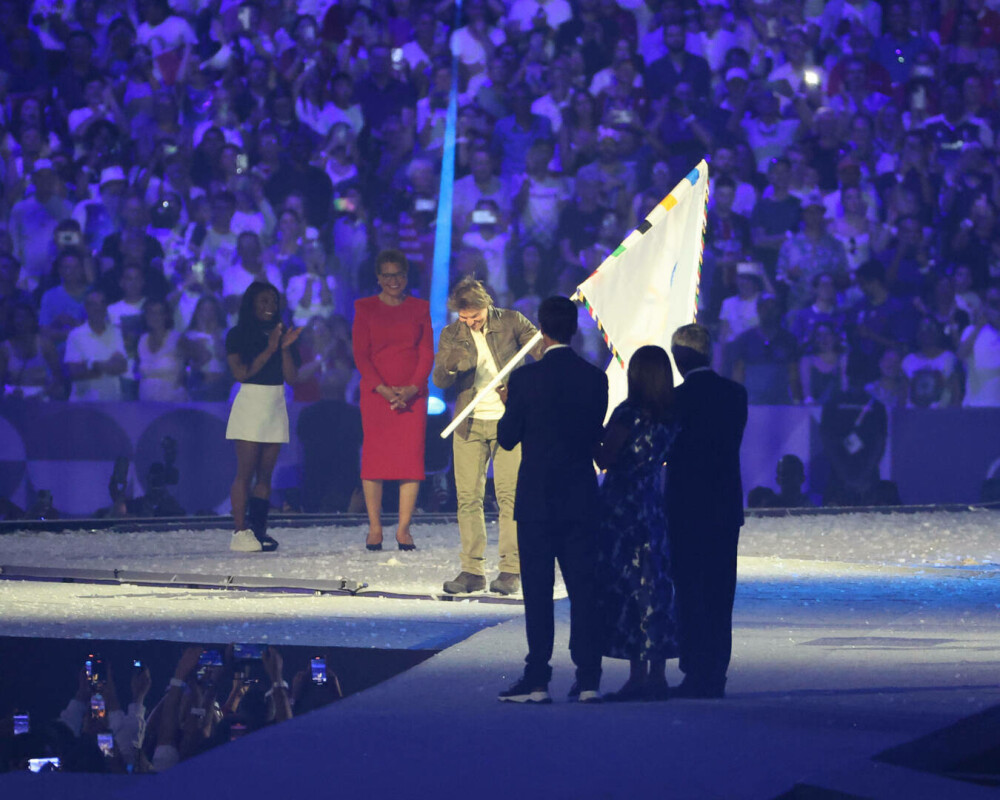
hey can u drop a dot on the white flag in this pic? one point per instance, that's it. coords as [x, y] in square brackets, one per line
[648, 287]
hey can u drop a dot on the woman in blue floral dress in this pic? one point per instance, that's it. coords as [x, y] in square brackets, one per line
[638, 616]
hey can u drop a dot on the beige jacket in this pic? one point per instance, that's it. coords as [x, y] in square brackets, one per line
[507, 331]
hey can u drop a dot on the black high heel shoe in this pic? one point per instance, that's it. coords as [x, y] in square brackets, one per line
[373, 547]
[403, 545]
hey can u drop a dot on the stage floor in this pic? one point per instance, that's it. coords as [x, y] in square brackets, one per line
[866, 655]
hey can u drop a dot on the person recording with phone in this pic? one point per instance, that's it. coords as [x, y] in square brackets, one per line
[262, 357]
[489, 235]
[95, 711]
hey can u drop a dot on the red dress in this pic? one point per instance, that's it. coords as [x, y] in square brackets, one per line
[393, 345]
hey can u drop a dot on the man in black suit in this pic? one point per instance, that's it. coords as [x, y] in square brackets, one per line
[555, 411]
[705, 511]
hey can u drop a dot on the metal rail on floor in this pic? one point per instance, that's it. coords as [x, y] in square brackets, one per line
[199, 523]
[242, 583]
[287, 520]
[186, 580]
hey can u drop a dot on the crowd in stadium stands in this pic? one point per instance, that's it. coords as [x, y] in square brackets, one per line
[156, 158]
[213, 697]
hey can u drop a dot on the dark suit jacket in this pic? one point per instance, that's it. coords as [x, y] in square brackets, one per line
[704, 489]
[555, 410]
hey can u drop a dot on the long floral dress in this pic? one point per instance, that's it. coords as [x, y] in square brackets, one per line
[637, 602]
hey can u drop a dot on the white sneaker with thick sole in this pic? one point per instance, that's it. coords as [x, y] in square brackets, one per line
[244, 542]
[590, 696]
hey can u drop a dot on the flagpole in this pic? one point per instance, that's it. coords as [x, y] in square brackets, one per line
[503, 373]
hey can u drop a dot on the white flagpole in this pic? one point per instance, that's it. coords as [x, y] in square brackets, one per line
[507, 369]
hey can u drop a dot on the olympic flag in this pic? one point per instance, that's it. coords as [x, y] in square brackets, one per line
[648, 287]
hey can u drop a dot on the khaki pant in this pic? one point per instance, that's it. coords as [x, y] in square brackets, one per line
[472, 457]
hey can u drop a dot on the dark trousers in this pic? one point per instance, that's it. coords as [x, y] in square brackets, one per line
[705, 581]
[574, 545]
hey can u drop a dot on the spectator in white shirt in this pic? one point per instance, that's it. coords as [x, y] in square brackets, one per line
[101, 104]
[475, 41]
[170, 38]
[480, 184]
[247, 267]
[344, 109]
[220, 243]
[980, 350]
[553, 104]
[713, 41]
[488, 234]
[787, 79]
[313, 106]
[739, 312]
[133, 286]
[95, 354]
[312, 293]
[420, 51]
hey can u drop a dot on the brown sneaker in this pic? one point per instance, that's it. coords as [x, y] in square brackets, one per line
[506, 583]
[465, 582]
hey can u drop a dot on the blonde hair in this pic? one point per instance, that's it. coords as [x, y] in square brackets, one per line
[468, 294]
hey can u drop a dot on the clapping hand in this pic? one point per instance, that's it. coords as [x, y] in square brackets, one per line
[288, 337]
[279, 337]
[274, 337]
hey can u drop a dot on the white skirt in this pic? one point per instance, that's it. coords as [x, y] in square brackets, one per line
[259, 414]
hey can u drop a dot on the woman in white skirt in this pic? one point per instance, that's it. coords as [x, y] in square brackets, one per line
[262, 359]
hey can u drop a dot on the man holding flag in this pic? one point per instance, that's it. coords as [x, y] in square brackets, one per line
[471, 351]
[641, 294]
[555, 412]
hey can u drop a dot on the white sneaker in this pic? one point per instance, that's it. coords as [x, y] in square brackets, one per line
[244, 542]
[590, 696]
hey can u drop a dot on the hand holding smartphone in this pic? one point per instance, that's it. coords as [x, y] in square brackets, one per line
[106, 742]
[96, 671]
[318, 670]
[248, 652]
[97, 707]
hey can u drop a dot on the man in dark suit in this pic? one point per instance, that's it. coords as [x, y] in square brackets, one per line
[705, 511]
[555, 411]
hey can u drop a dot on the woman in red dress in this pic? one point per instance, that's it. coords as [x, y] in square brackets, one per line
[394, 352]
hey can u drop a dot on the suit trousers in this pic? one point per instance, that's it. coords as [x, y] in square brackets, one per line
[705, 582]
[573, 543]
[472, 457]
